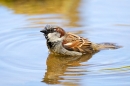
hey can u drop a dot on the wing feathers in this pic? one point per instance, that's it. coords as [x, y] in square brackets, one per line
[75, 43]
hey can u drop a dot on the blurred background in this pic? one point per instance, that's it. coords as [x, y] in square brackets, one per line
[24, 57]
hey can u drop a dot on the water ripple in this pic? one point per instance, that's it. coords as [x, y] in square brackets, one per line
[18, 51]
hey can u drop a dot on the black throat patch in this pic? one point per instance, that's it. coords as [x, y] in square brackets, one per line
[49, 44]
[52, 45]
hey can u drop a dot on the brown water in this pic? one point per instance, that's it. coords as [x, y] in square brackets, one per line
[24, 57]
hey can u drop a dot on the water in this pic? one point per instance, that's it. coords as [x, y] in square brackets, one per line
[24, 57]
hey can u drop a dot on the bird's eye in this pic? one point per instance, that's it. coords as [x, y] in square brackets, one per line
[54, 29]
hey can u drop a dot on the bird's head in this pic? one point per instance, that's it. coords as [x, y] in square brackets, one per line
[53, 33]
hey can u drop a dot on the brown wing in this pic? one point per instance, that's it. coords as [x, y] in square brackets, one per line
[75, 43]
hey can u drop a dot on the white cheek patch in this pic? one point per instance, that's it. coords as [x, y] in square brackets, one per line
[54, 36]
[50, 35]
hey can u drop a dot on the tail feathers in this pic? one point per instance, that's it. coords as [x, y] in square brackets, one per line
[102, 46]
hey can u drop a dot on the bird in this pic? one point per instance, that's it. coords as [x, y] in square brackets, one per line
[60, 42]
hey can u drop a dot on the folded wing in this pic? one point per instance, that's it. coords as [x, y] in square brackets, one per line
[75, 43]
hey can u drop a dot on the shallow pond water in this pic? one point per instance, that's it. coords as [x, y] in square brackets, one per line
[24, 57]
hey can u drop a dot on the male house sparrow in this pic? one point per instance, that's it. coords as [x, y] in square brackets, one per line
[65, 43]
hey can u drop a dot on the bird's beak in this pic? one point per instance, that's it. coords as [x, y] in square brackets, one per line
[43, 31]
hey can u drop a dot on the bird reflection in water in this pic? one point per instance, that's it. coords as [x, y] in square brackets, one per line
[65, 69]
